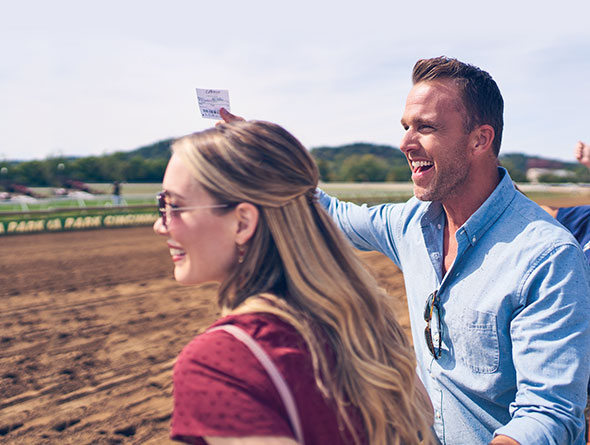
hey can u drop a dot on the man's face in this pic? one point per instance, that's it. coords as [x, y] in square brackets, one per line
[435, 142]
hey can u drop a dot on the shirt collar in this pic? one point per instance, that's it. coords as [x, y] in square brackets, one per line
[491, 209]
[485, 215]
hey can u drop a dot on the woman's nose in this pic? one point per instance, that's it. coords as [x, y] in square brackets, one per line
[159, 227]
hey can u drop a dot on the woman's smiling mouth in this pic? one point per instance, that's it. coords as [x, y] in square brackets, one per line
[176, 252]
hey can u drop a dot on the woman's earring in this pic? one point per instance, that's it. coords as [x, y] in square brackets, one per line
[241, 253]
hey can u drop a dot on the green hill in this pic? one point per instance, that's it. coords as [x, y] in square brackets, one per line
[157, 150]
[358, 162]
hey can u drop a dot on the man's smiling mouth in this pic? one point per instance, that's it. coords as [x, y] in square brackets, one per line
[421, 166]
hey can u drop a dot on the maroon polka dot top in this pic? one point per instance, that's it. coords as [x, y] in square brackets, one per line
[220, 388]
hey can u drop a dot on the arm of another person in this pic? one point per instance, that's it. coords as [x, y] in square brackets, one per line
[551, 350]
[550, 209]
[577, 220]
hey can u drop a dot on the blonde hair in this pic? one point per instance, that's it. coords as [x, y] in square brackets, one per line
[308, 274]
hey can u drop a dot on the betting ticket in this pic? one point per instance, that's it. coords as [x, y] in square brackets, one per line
[210, 101]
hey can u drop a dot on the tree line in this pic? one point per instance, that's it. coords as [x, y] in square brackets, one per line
[146, 164]
[360, 162]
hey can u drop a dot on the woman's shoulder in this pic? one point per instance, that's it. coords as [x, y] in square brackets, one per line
[261, 326]
[221, 389]
[280, 340]
[219, 348]
[216, 369]
[254, 322]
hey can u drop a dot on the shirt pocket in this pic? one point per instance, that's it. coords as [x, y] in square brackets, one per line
[476, 343]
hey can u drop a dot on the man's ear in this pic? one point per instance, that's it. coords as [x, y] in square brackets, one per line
[247, 221]
[483, 137]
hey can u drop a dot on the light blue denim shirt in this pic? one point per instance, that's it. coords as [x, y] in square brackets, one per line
[515, 312]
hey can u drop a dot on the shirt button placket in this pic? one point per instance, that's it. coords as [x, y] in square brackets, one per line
[437, 406]
[437, 411]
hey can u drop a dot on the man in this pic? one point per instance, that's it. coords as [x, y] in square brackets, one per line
[576, 219]
[504, 351]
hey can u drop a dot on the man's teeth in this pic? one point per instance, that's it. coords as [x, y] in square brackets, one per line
[417, 164]
[176, 251]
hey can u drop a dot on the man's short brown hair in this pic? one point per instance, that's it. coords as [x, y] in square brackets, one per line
[480, 94]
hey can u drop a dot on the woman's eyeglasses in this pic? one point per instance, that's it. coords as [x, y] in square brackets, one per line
[433, 303]
[165, 209]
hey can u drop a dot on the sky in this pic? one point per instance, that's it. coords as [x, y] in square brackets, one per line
[91, 78]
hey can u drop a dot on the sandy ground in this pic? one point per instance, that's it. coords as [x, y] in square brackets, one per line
[90, 325]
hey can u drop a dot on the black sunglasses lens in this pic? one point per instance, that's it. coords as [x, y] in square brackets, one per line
[428, 337]
[162, 207]
[430, 306]
[428, 309]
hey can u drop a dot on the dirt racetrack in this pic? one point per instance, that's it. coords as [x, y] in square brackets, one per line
[90, 325]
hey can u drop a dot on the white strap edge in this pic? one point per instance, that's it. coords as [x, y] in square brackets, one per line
[273, 372]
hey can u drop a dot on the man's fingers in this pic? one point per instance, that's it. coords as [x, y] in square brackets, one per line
[228, 117]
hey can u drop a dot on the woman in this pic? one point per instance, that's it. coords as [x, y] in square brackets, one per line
[238, 208]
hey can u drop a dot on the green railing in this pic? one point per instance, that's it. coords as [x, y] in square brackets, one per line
[68, 218]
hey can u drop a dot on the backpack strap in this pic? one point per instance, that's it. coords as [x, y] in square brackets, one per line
[273, 373]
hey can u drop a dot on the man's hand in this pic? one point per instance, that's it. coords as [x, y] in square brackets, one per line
[582, 153]
[228, 117]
